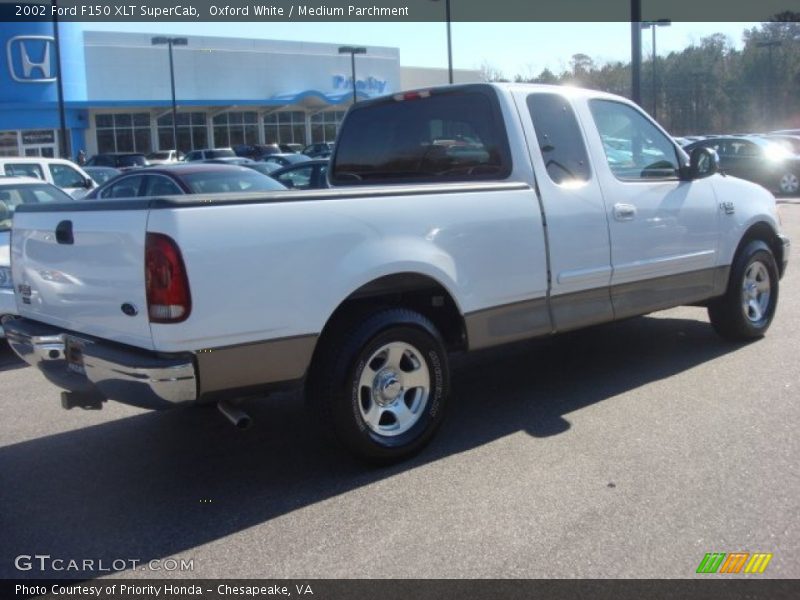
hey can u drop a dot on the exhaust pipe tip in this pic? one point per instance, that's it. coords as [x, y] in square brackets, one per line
[237, 417]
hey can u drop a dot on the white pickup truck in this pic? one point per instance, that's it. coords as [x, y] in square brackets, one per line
[460, 217]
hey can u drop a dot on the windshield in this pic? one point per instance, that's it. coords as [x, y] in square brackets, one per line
[244, 180]
[12, 196]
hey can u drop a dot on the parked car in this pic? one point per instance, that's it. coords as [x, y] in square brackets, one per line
[118, 160]
[178, 179]
[790, 142]
[102, 174]
[164, 157]
[265, 168]
[62, 173]
[285, 159]
[360, 292]
[207, 153]
[13, 192]
[291, 147]
[786, 132]
[319, 150]
[310, 175]
[756, 159]
[256, 151]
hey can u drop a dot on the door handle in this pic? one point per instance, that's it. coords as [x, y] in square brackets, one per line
[64, 233]
[624, 212]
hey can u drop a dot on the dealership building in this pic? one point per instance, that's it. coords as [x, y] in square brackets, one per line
[117, 90]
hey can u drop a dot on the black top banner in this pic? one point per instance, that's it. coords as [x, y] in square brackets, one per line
[397, 10]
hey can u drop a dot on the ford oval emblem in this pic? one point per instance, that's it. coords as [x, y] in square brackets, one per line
[129, 309]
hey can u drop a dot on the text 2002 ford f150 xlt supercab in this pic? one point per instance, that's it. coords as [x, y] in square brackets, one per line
[461, 217]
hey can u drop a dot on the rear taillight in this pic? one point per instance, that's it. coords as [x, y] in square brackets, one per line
[168, 298]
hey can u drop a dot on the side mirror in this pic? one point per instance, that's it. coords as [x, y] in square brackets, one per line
[88, 183]
[703, 162]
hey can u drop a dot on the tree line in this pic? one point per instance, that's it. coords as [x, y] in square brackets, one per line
[709, 87]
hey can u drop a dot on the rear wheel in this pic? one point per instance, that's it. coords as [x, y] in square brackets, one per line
[379, 385]
[746, 310]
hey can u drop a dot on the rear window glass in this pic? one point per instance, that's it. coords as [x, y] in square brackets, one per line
[449, 136]
[216, 182]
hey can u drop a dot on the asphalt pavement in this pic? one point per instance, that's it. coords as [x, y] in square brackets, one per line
[625, 450]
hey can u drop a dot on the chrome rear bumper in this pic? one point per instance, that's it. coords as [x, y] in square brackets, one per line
[114, 372]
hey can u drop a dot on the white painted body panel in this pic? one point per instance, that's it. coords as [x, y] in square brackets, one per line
[82, 286]
[674, 228]
[751, 203]
[273, 270]
[577, 225]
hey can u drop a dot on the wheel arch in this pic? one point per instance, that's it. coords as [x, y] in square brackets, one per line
[763, 231]
[415, 291]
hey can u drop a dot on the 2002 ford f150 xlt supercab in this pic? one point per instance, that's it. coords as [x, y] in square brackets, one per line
[460, 217]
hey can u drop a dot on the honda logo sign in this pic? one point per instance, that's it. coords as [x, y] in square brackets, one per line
[31, 58]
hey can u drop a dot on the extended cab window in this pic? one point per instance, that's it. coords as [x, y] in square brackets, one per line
[635, 148]
[456, 135]
[559, 137]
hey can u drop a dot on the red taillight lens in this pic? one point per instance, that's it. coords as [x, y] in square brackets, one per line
[412, 95]
[168, 298]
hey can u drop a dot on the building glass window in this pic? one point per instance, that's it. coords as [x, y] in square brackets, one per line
[123, 132]
[192, 132]
[285, 127]
[325, 125]
[235, 128]
[8, 143]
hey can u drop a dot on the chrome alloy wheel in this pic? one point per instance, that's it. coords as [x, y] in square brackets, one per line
[393, 389]
[756, 291]
[789, 183]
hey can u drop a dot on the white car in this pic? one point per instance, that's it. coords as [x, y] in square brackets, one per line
[58, 171]
[13, 192]
[164, 157]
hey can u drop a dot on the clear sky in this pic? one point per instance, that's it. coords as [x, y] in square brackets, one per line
[513, 48]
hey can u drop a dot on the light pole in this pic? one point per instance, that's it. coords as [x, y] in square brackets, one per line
[769, 45]
[352, 51]
[636, 51]
[652, 25]
[64, 152]
[449, 41]
[170, 42]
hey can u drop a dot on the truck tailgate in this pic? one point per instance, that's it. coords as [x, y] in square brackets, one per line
[83, 270]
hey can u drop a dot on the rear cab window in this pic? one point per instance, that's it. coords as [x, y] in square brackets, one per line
[24, 170]
[456, 134]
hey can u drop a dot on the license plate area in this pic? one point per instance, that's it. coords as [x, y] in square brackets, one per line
[73, 351]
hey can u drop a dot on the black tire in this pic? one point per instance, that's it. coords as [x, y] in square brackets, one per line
[339, 400]
[788, 184]
[738, 315]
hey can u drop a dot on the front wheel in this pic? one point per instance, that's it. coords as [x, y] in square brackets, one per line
[380, 386]
[748, 306]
